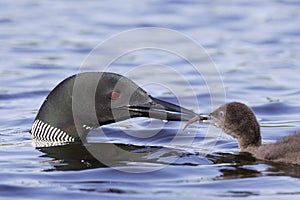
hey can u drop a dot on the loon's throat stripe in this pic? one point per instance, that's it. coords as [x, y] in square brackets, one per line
[43, 131]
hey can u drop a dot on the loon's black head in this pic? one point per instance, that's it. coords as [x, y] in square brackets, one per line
[89, 100]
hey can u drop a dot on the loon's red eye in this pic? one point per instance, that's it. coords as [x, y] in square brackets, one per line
[114, 95]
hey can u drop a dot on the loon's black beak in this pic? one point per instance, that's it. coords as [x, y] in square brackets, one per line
[163, 110]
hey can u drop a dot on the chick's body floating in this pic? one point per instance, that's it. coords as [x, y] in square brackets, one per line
[239, 121]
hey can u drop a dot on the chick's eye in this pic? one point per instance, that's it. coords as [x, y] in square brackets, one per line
[114, 95]
[221, 114]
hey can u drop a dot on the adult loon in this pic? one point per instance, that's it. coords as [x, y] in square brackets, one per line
[88, 100]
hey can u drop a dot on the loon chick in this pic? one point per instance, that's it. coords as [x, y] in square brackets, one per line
[239, 121]
[88, 100]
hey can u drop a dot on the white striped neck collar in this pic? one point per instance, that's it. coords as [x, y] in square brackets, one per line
[45, 133]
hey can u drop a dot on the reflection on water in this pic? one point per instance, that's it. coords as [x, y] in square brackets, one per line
[77, 157]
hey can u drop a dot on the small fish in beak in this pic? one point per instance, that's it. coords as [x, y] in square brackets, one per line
[195, 119]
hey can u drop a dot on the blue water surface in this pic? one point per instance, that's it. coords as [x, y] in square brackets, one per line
[255, 46]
